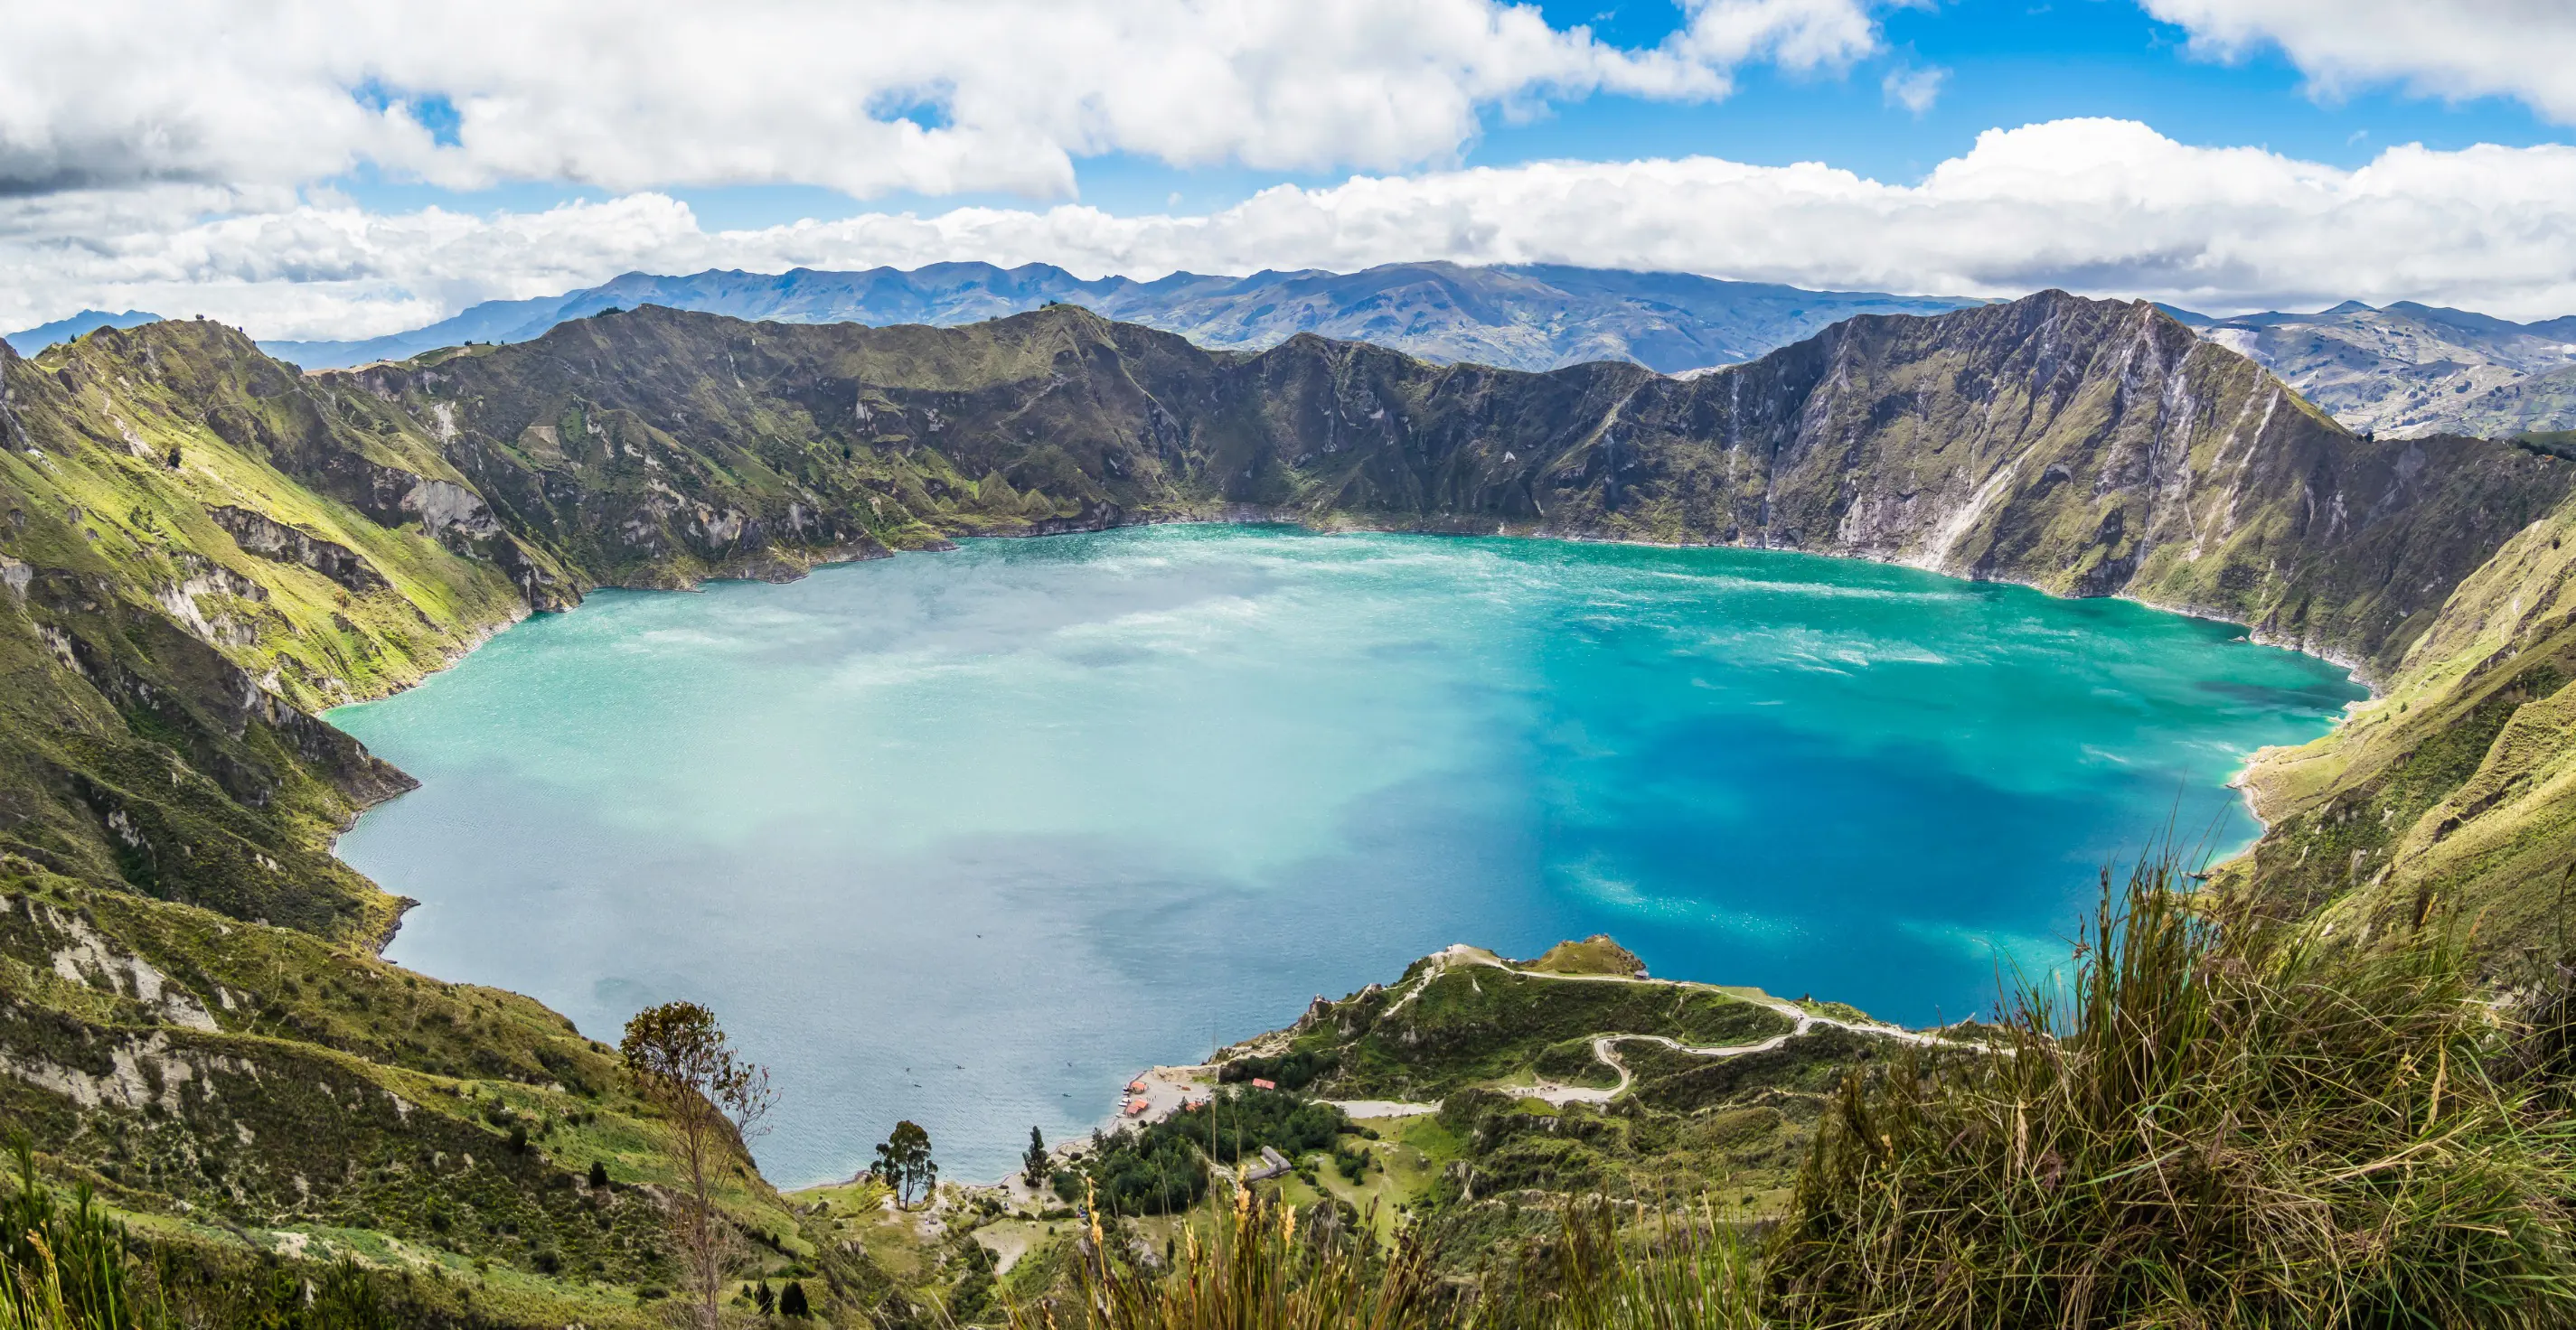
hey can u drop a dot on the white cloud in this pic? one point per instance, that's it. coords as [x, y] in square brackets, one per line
[2099, 206]
[864, 96]
[1912, 88]
[2524, 49]
[1797, 34]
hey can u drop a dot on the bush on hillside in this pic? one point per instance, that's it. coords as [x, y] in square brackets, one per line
[1162, 1167]
[1288, 1071]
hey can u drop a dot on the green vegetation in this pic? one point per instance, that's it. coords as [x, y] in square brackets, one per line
[1035, 1162]
[904, 1162]
[2455, 791]
[2219, 1119]
[1254, 1270]
[1456, 1021]
[1596, 954]
[2224, 1123]
[1289, 1071]
[1160, 1168]
[709, 1099]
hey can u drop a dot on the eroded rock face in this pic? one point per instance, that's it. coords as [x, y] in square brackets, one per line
[259, 534]
[446, 507]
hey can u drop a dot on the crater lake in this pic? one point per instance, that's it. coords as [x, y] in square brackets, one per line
[969, 837]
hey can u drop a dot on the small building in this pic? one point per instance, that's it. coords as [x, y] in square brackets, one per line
[1273, 1164]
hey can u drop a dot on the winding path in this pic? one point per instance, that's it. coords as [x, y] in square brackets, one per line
[1604, 1047]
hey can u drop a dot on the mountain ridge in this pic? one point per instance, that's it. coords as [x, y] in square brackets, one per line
[2404, 369]
[1526, 316]
[2408, 369]
[29, 341]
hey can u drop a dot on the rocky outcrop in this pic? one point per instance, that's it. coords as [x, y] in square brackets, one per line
[262, 535]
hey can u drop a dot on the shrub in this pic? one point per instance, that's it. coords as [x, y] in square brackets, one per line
[1290, 1071]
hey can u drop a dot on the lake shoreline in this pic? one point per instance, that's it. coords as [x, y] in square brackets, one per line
[1818, 630]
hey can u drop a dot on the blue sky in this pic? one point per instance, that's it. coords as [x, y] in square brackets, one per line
[2005, 63]
[304, 169]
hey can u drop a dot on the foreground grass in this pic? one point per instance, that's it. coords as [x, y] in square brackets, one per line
[2225, 1121]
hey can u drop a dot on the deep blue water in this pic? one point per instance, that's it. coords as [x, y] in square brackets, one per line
[968, 837]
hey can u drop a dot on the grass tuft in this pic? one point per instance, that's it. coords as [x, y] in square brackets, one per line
[2222, 1120]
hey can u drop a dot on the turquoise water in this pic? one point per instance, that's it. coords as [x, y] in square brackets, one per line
[968, 837]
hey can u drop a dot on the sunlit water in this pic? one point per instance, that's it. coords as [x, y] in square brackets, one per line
[968, 837]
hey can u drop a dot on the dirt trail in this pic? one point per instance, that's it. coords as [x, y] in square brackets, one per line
[1604, 1047]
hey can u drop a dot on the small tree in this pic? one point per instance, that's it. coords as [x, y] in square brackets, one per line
[792, 1302]
[598, 1174]
[765, 1298]
[1034, 1164]
[905, 1164]
[711, 1102]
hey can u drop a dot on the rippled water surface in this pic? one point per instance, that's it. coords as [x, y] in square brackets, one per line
[968, 837]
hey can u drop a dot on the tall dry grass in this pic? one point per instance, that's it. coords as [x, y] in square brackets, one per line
[2221, 1121]
[1252, 1270]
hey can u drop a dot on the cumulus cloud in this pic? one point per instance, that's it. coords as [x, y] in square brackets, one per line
[2104, 207]
[2524, 49]
[864, 96]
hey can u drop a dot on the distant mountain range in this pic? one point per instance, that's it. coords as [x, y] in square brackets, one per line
[2409, 369]
[44, 335]
[2403, 370]
[1531, 316]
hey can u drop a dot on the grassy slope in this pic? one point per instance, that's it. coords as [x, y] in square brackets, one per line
[2456, 791]
[1451, 1026]
[159, 675]
[1463, 1028]
[183, 1020]
[1597, 954]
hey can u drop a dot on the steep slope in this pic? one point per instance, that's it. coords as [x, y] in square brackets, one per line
[2452, 797]
[178, 601]
[189, 1017]
[1535, 316]
[2411, 369]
